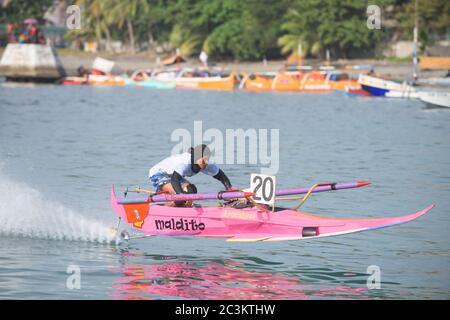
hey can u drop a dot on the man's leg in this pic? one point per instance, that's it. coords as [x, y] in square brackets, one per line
[186, 186]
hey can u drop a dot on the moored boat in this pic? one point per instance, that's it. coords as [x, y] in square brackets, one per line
[100, 74]
[95, 79]
[436, 98]
[326, 80]
[196, 78]
[315, 81]
[257, 81]
[287, 81]
[142, 78]
[299, 80]
[342, 81]
[356, 91]
[382, 87]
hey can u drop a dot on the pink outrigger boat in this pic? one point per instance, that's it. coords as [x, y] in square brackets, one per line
[255, 223]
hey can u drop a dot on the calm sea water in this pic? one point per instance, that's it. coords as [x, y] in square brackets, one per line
[61, 148]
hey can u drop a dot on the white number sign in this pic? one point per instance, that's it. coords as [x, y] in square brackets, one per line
[263, 186]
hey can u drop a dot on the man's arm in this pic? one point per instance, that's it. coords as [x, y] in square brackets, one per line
[175, 181]
[222, 177]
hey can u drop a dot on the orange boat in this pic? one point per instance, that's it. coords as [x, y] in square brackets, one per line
[100, 74]
[95, 79]
[257, 82]
[217, 83]
[196, 79]
[287, 81]
[343, 82]
[315, 81]
[326, 81]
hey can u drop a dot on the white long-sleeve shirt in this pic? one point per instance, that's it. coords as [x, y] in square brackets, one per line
[181, 163]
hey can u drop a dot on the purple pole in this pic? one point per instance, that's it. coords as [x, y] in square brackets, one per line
[322, 188]
[186, 197]
[201, 196]
[236, 194]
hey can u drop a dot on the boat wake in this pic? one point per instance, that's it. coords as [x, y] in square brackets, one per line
[24, 212]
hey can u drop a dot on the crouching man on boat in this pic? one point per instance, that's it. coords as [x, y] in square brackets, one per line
[168, 176]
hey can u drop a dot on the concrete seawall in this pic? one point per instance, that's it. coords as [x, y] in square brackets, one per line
[31, 62]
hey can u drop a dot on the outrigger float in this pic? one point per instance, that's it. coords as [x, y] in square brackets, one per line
[147, 214]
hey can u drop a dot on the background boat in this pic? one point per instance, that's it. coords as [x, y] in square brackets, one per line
[142, 78]
[436, 98]
[95, 79]
[258, 81]
[379, 87]
[196, 78]
[100, 74]
[287, 81]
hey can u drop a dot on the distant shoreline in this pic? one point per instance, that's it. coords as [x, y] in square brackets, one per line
[127, 62]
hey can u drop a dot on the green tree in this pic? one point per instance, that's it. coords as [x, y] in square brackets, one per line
[227, 28]
[126, 12]
[19, 10]
[433, 19]
[337, 25]
[96, 20]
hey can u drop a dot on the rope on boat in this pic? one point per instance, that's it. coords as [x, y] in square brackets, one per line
[259, 206]
[254, 203]
[139, 189]
[302, 199]
[306, 196]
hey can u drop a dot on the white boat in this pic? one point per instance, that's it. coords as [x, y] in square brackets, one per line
[436, 98]
[380, 87]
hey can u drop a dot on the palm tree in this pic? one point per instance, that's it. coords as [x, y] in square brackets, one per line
[186, 40]
[125, 12]
[298, 31]
[97, 19]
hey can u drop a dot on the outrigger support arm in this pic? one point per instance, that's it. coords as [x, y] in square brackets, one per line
[223, 195]
[233, 194]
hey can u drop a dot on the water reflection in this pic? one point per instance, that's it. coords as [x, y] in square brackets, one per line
[169, 277]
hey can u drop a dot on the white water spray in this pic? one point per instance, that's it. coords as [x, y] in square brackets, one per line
[24, 212]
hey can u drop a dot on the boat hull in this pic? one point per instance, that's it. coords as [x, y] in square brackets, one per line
[286, 82]
[150, 84]
[374, 91]
[248, 224]
[380, 87]
[95, 80]
[436, 99]
[255, 82]
[206, 83]
[344, 85]
[355, 91]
